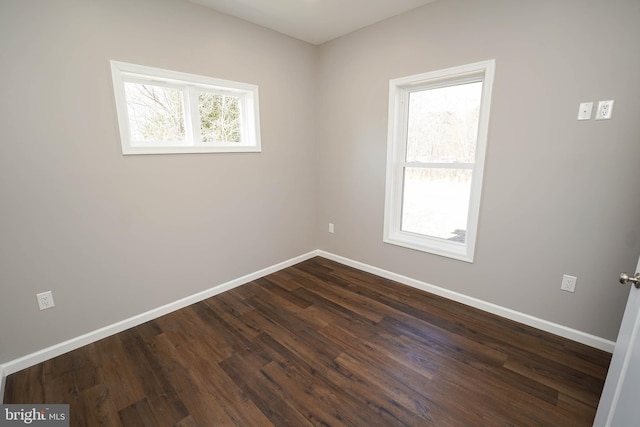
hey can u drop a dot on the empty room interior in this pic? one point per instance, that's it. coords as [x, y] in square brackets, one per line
[279, 278]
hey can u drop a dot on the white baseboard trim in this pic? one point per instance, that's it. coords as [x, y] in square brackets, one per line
[90, 337]
[544, 325]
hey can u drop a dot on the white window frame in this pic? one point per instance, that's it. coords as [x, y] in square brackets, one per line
[399, 90]
[191, 85]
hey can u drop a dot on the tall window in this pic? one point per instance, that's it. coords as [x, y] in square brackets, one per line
[436, 146]
[161, 111]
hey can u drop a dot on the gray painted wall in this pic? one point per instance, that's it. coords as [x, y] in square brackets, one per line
[560, 196]
[115, 236]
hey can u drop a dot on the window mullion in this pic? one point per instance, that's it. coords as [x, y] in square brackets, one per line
[245, 124]
[194, 115]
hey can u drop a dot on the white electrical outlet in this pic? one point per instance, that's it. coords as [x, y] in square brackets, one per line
[45, 300]
[584, 112]
[605, 110]
[331, 227]
[569, 283]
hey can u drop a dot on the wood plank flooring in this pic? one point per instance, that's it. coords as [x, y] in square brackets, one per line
[322, 344]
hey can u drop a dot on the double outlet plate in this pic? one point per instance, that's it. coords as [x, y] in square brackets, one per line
[603, 112]
[45, 300]
[569, 283]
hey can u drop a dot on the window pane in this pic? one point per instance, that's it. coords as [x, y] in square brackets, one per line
[436, 202]
[443, 124]
[156, 113]
[219, 117]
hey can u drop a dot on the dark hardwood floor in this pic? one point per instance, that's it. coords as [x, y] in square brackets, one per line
[325, 345]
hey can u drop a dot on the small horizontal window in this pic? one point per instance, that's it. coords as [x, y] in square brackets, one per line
[161, 111]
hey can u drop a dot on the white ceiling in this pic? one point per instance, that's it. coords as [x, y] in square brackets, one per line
[314, 21]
